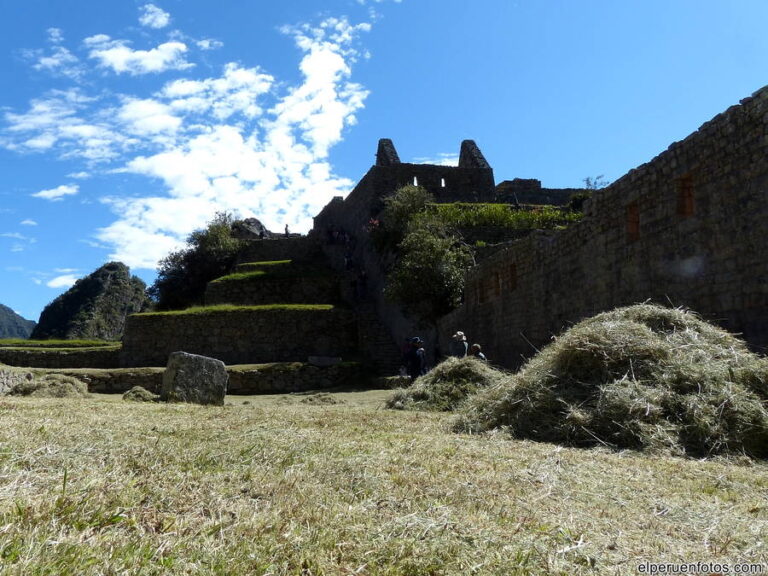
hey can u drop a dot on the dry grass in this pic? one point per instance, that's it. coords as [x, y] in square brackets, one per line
[269, 485]
[447, 385]
[140, 394]
[642, 377]
[50, 386]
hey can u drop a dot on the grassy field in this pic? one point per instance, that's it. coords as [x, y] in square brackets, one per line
[333, 484]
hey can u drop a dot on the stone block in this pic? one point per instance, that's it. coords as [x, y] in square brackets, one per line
[194, 379]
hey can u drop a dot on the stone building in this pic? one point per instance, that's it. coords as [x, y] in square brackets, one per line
[689, 228]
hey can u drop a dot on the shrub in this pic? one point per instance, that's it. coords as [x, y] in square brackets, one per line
[183, 275]
[641, 377]
[399, 208]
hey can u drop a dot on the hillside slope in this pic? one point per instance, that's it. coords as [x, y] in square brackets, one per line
[14, 326]
[95, 307]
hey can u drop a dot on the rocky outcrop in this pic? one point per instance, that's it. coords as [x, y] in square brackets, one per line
[14, 326]
[95, 307]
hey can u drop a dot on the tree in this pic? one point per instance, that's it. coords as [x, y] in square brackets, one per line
[183, 275]
[399, 209]
[428, 278]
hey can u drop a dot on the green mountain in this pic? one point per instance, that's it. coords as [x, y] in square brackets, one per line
[12, 325]
[95, 307]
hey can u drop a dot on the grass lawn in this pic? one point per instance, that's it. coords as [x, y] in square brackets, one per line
[333, 484]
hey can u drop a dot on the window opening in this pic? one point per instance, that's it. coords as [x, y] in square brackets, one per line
[633, 222]
[685, 202]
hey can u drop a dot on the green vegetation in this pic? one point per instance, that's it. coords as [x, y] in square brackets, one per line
[184, 274]
[399, 209]
[264, 264]
[470, 215]
[95, 307]
[22, 343]
[427, 279]
[232, 308]
[276, 269]
[272, 485]
[642, 377]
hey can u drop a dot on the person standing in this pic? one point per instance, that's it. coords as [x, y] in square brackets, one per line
[459, 345]
[416, 359]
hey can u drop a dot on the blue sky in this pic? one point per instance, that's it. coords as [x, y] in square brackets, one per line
[125, 125]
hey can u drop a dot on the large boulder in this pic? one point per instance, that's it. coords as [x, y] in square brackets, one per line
[194, 379]
[250, 229]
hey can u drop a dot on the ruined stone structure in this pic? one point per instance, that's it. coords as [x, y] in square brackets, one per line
[470, 181]
[688, 228]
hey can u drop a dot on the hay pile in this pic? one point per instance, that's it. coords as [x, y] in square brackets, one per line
[140, 394]
[446, 386]
[51, 386]
[642, 377]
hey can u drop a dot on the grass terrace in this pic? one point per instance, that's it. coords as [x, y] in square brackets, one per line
[230, 308]
[71, 344]
[274, 269]
[471, 215]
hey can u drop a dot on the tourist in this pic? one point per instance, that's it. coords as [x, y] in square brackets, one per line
[416, 358]
[476, 351]
[459, 345]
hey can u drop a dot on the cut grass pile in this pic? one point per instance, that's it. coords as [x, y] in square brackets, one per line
[101, 486]
[140, 394]
[50, 386]
[642, 377]
[446, 386]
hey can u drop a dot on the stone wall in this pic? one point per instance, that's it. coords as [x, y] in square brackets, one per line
[253, 379]
[240, 336]
[529, 191]
[61, 358]
[297, 248]
[689, 228]
[9, 377]
[294, 377]
[317, 289]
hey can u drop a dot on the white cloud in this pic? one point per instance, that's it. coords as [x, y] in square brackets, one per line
[444, 159]
[83, 175]
[15, 235]
[28, 222]
[236, 92]
[209, 44]
[58, 193]
[64, 281]
[240, 141]
[154, 17]
[118, 56]
[148, 117]
[59, 61]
